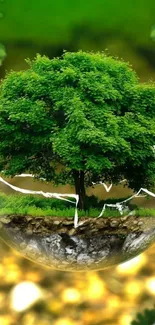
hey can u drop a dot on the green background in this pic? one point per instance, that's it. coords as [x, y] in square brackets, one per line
[48, 27]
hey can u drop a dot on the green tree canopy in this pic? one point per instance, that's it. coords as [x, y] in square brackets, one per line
[79, 118]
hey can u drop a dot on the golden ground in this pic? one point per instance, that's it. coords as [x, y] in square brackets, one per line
[32, 295]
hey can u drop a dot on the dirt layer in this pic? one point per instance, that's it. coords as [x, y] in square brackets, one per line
[87, 226]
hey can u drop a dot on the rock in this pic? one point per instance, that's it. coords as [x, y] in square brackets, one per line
[38, 231]
[33, 222]
[23, 245]
[16, 228]
[29, 218]
[125, 225]
[72, 231]
[29, 232]
[83, 258]
[114, 223]
[140, 223]
[68, 223]
[135, 228]
[5, 219]
[124, 218]
[56, 222]
[63, 230]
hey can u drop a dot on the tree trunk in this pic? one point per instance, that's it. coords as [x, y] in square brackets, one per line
[80, 188]
[82, 191]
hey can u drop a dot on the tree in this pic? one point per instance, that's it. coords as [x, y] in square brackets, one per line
[147, 318]
[79, 118]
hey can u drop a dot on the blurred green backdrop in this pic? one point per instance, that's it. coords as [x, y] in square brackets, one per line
[124, 28]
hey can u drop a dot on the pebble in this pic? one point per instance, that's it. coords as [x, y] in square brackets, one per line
[23, 245]
[68, 223]
[29, 232]
[72, 231]
[29, 218]
[114, 223]
[56, 222]
[135, 222]
[140, 223]
[134, 228]
[124, 225]
[124, 218]
[37, 231]
[15, 229]
[5, 220]
[33, 222]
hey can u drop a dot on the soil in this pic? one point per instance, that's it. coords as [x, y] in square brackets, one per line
[95, 244]
[87, 226]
